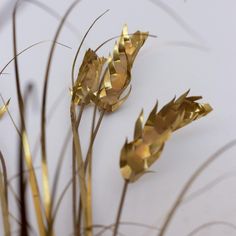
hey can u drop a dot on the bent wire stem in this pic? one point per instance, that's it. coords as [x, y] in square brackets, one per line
[47, 196]
[24, 138]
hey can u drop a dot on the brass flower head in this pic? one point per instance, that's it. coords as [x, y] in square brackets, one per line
[149, 138]
[118, 73]
[88, 78]
[116, 77]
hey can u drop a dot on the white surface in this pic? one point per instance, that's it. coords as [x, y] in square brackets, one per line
[200, 56]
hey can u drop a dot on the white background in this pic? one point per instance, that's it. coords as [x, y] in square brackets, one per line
[195, 48]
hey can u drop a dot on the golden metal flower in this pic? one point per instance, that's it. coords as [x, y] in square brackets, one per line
[87, 82]
[149, 138]
[117, 75]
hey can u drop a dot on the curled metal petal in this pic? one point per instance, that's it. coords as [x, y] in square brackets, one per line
[149, 138]
[87, 82]
[117, 75]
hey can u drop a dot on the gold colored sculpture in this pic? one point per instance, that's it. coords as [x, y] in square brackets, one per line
[107, 92]
[149, 138]
[87, 82]
[104, 82]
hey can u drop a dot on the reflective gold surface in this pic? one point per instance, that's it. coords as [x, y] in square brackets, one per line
[3, 109]
[149, 138]
[116, 78]
[118, 75]
[87, 82]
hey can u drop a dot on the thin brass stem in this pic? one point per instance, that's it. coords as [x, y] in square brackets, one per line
[4, 171]
[94, 131]
[80, 166]
[93, 137]
[81, 44]
[121, 206]
[24, 139]
[46, 189]
[22, 185]
[74, 178]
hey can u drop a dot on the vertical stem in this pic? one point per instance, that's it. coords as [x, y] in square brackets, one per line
[23, 205]
[74, 189]
[122, 200]
[22, 185]
[79, 218]
[92, 138]
[94, 131]
[74, 178]
[88, 163]
[80, 166]
[45, 177]
[4, 172]
[4, 208]
[4, 197]
[24, 139]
